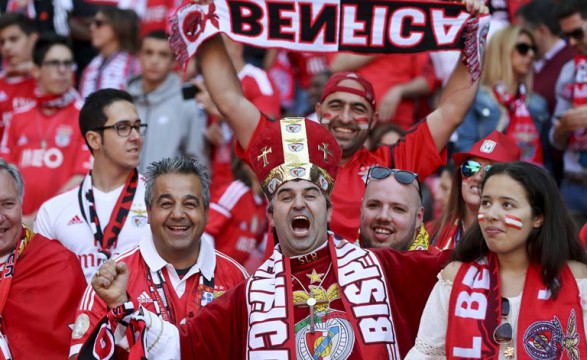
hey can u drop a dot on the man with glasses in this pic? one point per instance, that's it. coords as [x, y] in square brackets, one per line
[569, 132]
[105, 215]
[392, 211]
[42, 139]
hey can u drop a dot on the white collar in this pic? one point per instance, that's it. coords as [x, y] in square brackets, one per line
[206, 259]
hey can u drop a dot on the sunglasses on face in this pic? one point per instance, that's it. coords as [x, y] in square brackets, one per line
[503, 333]
[576, 34]
[472, 167]
[524, 48]
[402, 176]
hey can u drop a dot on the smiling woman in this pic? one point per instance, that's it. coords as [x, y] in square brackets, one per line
[516, 271]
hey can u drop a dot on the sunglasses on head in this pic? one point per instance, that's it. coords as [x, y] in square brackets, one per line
[503, 333]
[576, 34]
[402, 176]
[472, 167]
[524, 48]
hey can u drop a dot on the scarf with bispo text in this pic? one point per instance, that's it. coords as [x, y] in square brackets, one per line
[269, 291]
[547, 328]
[7, 275]
[333, 26]
[108, 238]
[521, 128]
[578, 139]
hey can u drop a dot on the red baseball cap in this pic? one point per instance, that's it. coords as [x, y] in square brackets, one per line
[295, 148]
[332, 86]
[495, 147]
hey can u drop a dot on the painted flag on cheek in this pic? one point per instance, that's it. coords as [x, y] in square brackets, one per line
[513, 221]
[480, 217]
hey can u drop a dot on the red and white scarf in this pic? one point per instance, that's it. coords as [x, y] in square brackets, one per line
[270, 304]
[61, 101]
[521, 128]
[113, 72]
[108, 238]
[547, 328]
[332, 26]
[578, 139]
[6, 277]
[449, 236]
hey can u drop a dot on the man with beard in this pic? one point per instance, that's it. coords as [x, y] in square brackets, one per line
[392, 211]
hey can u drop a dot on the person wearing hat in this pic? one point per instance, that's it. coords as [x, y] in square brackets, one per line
[316, 296]
[347, 108]
[464, 195]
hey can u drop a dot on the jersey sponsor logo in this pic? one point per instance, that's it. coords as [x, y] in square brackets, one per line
[18, 102]
[51, 158]
[92, 260]
[63, 135]
[75, 221]
[82, 324]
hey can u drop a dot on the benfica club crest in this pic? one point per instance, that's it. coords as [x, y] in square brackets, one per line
[194, 23]
[293, 128]
[332, 339]
[296, 147]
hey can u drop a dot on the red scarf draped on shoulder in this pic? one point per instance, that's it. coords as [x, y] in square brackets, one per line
[578, 139]
[548, 328]
[521, 128]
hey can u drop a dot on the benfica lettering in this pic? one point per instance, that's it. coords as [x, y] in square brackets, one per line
[324, 25]
[365, 26]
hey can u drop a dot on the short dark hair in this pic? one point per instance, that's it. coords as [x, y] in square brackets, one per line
[24, 23]
[566, 8]
[551, 245]
[538, 12]
[177, 165]
[92, 115]
[45, 43]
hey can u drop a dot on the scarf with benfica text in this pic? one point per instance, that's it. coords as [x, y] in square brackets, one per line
[548, 328]
[269, 290]
[7, 275]
[334, 25]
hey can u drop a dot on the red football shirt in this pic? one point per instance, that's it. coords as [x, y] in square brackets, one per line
[15, 92]
[237, 221]
[44, 147]
[260, 90]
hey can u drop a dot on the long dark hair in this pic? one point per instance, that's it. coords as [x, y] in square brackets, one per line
[552, 244]
[455, 208]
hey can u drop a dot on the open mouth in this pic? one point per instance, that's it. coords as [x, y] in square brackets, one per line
[3, 230]
[178, 228]
[300, 224]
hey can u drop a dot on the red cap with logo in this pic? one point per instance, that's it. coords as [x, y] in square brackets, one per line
[495, 147]
[295, 148]
[332, 86]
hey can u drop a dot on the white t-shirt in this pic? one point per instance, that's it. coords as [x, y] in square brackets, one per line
[60, 218]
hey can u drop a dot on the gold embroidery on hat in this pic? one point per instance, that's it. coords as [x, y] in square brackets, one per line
[263, 155]
[295, 144]
[324, 148]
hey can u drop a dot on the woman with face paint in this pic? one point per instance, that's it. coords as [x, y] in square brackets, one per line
[464, 197]
[517, 288]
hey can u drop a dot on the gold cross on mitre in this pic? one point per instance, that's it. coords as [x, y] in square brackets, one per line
[264, 152]
[310, 303]
[324, 148]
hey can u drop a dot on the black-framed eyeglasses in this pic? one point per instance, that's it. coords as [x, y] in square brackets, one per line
[124, 128]
[524, 48]
[577, 34]
[58, 64]
[402, 176]
[472, 167]
[503, 332]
